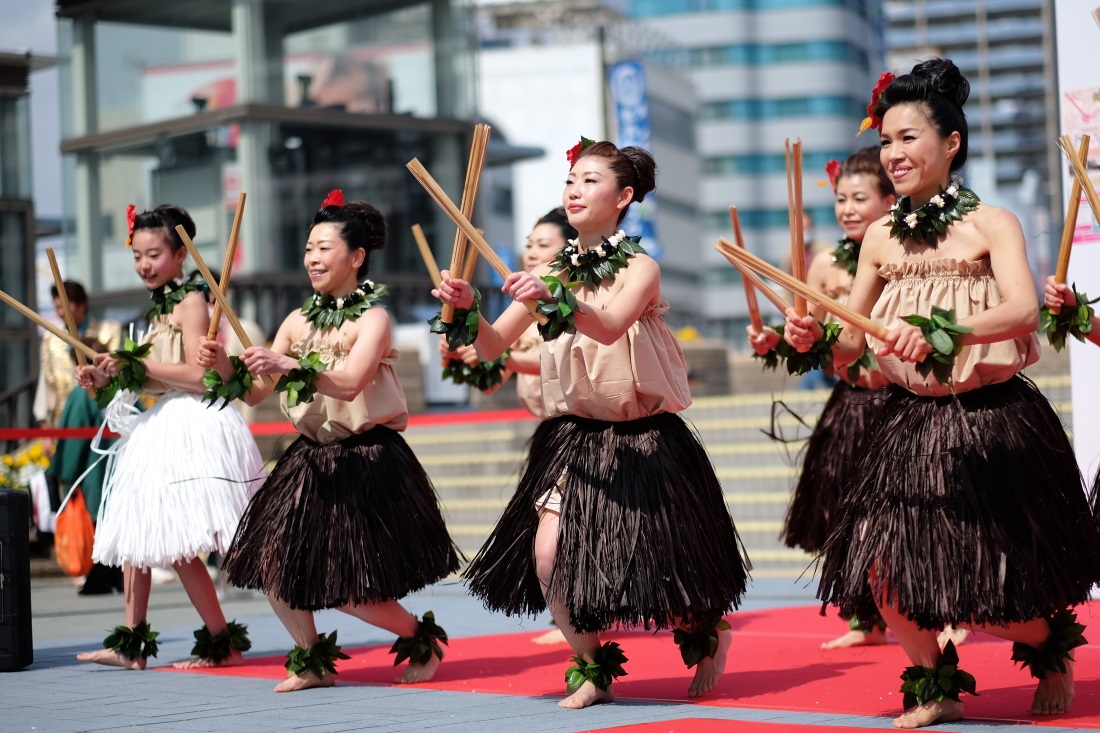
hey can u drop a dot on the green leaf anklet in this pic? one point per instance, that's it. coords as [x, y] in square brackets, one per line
[320, 659]
[463, 328]
[921, 684]
[419, 648]
[1073, 321]
[867, 626]
[237, 388]
[1065, 636]
[131, 371]
[606, 666]
[298, 383]
[945, 334]
[139, 642]
[695, 646]
[217, 647]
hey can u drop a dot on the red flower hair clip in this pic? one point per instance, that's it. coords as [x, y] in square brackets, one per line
[872, 119]
[832, 170]
[131, 217]
[575, 152]
[335, 198]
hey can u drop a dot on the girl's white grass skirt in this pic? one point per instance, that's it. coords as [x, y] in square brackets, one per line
[180, 479]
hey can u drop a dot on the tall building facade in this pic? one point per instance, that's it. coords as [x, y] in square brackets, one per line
[765, 71]
[1005, 48]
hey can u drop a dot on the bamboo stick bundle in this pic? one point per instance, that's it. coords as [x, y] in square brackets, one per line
[478, 146]
[426, 254]
[794, 216]
[227, 265]
[753, 280]
[66, 308]
[750, 292]
[26, 312]
[1070, 225]
[1081, 175]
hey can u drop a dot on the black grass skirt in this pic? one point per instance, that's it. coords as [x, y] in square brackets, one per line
[644, 536]
[351, 522]
[970, 509]
[829, 464]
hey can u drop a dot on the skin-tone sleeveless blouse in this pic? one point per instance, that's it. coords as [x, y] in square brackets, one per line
[328, 419]
[166, 339]
[643, 373]
[968, 288]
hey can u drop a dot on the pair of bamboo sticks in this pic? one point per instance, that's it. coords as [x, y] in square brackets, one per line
[1081, 183]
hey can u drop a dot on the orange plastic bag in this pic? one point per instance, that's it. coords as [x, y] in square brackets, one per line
[73, 536]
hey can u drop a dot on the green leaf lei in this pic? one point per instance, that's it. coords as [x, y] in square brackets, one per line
[930, 222]
[168, 296]
[599, 263]
[945, 334]
[320, 659]
[419, 648]
[324, 310]
[820, 355]
[1073, 321]
[866, 361]
[484, 376]
[605, 667]
[695, 646]
[921, 684]
[131, 371]
[560, 311]
[1065, 636]
[298, 383]
[462, 330]
[846, 255]
[217, 647]
[133, 643]
[239, 385]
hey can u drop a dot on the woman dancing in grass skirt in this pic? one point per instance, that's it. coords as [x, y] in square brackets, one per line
[348, 519]
[619, 519]
[864, 194]
[968, 508]
[181, 474]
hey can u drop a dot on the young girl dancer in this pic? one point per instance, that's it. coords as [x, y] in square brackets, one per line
[348, 519]
[619, 518]
[181, 474]
[864, 195]
[968, 507]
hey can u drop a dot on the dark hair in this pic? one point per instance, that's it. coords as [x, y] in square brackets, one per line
[361, 225]
[74, 291]
[560, 219]
[632, 166]
[865, 161]
[941, 89]
[167, 217]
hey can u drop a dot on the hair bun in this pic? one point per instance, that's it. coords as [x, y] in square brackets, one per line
[646, 169]
[943, 77]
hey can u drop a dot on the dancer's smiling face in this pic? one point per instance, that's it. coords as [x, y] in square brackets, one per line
[916, 157]
[332, 266]
[544, 242]
[155, 262]
[859, 203]
[592, 196]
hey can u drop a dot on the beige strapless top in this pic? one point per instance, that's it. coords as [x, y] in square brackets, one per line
[529, 386]
[643, 373]
[328, 419]
[867, 379]
[166, 338]
[967, 287]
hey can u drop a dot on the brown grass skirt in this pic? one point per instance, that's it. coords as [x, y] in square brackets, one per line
[970, 508]
[645, 534]
[350, 522]
[828, 466]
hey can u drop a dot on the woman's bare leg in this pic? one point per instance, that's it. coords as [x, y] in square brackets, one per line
[136, 585]
[392, 616]
[204, 597]
[303, 630]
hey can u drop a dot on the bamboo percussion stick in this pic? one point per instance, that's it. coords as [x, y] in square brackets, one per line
[77, 344]
[426, 254]
[1070, 225]
[755, 281]
[1082, 175]
[66, 308]
[227, 265]
[211, 283]
[440, 197]
[469, 198]
[844, 313]
[794, 201]
[750, 292]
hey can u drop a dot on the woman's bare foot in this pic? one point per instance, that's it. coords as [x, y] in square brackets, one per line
[588, 694]
[709, 669]
[305, 681]
[953, 634]
[419, 672]
[111, 658]
[553, 636]
[930, 713]
[1054, 694]
[857, 638]
[235, 659]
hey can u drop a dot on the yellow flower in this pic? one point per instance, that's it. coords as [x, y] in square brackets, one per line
[35, 451]
[8, 460]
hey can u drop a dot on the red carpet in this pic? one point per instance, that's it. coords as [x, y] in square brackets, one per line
[775, 663]
[711, 725]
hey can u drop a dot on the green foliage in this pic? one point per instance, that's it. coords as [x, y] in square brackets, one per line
[866, 361]
[299, 383]
[462, 330]
[320, 659]
[945, 334]
[820, 355]
[929, 223]
[846, 255]
[695, 646]
[559, 312]
[484, 376]
[131, 371]
[419, 648]
[1065, 636]
[593, 268]
[1073, 321]
[237, 388]
[605, 667]
[921, 684]
[325, 311]
[133, 643]
[217, 647]
[168, 296]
